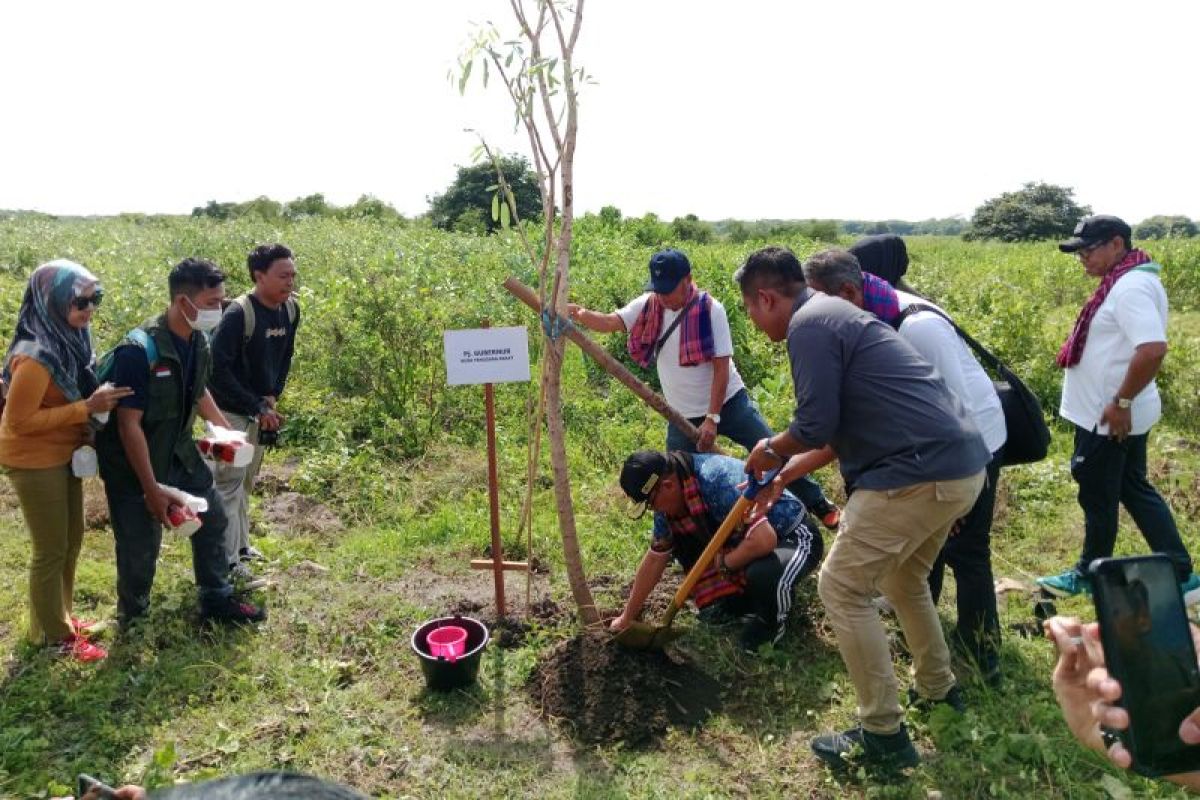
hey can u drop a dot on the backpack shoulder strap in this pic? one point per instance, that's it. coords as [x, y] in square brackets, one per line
[293, 310]
[984, 355]
[243, 302]
[146, 342]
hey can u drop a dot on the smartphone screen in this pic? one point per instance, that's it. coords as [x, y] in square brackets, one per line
[1148, 649]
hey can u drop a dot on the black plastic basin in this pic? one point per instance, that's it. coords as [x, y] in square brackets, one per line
[441, 674]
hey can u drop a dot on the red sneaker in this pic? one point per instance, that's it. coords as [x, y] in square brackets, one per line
[79, 648]
[832, 518]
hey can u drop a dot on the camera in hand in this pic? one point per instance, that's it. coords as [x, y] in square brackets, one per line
[268, 438]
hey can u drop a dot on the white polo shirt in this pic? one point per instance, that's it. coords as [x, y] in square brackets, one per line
[687, 388]
[936, 340]
[1134, 313]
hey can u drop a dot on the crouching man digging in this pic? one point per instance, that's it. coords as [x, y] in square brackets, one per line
[753, 575]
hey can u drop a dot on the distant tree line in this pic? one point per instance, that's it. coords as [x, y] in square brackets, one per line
[1036, 211]
[313, 205]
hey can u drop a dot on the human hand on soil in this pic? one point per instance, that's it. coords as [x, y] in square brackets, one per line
[618, 623]
[708, 435]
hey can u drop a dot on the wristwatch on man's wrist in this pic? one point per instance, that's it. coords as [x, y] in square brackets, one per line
[771, 451]
[715, 417]
[1122, 402]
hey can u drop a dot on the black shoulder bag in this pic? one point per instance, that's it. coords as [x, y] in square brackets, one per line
[1028, 435]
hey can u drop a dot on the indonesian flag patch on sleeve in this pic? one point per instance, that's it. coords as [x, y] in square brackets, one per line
[162, 372]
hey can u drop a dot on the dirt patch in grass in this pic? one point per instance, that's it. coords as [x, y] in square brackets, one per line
[292, 513]
[602, 692]
[511, 631]
[275, 477]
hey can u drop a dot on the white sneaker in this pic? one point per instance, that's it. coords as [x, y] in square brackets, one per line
[243, 579]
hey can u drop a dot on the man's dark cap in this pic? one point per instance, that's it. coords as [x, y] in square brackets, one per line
[667, 268]
[1095, 230]
[641, 473]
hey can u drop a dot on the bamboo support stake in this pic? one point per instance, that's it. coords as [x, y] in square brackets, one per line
[611, 365]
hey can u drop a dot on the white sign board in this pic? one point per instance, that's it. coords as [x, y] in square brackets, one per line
[487, 355]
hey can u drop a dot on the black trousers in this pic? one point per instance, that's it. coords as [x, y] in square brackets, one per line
[139, 539]
[1111, 474]
[771, 580]
[968, 553]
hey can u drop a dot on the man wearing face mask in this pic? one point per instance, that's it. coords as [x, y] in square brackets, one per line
[167, 363]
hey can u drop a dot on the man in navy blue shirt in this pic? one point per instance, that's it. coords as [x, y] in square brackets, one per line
[753, 575]
[166, 362]
[252, 355]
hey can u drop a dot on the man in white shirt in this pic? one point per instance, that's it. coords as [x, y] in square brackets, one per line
[1111, 358]
[968, 548]
[684, 332]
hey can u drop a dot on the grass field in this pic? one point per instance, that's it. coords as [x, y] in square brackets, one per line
[328, 685]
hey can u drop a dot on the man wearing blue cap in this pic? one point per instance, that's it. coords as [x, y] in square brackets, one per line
[684, 332]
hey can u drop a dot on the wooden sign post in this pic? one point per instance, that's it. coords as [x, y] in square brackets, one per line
[490, 355]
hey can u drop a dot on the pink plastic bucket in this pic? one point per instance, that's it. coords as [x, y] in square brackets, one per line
[449, 641]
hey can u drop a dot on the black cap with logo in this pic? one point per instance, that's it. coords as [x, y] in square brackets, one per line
[1096, 230]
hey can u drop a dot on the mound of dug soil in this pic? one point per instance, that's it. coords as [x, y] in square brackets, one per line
[606, 693]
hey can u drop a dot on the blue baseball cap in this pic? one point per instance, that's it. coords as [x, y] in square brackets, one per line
[667, 269]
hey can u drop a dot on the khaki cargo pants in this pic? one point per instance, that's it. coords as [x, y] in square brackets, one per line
[887, 542]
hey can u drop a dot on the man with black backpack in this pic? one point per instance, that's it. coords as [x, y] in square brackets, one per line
[252, 355]
[166, 362]
[931, 333]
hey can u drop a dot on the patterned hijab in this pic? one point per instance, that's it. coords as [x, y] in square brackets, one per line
[44, 334]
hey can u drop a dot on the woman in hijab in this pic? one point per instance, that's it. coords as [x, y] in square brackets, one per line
[884, 255]
[49, 372]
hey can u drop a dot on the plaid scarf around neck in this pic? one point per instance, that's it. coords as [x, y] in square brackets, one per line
[694, 531]
[696, 344]
[879, 298]
[1072, 349]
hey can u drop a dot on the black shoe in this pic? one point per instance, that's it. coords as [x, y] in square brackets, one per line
[717, 615]
[233, 611]
[953, 698]
[856, 747]
[756, 633]
[983, 662]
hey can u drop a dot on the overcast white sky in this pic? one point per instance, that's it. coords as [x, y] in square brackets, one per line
[748, 109]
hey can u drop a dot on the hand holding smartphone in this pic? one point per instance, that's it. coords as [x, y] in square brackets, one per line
[88, 788]
[1149, 651]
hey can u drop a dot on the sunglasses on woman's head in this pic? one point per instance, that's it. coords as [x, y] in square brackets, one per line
[93, 300]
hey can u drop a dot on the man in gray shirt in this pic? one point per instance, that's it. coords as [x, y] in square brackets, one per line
[913, 464]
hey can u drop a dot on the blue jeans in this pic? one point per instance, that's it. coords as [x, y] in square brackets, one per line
[139, 540]
[1111, 474]
[742, 422]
